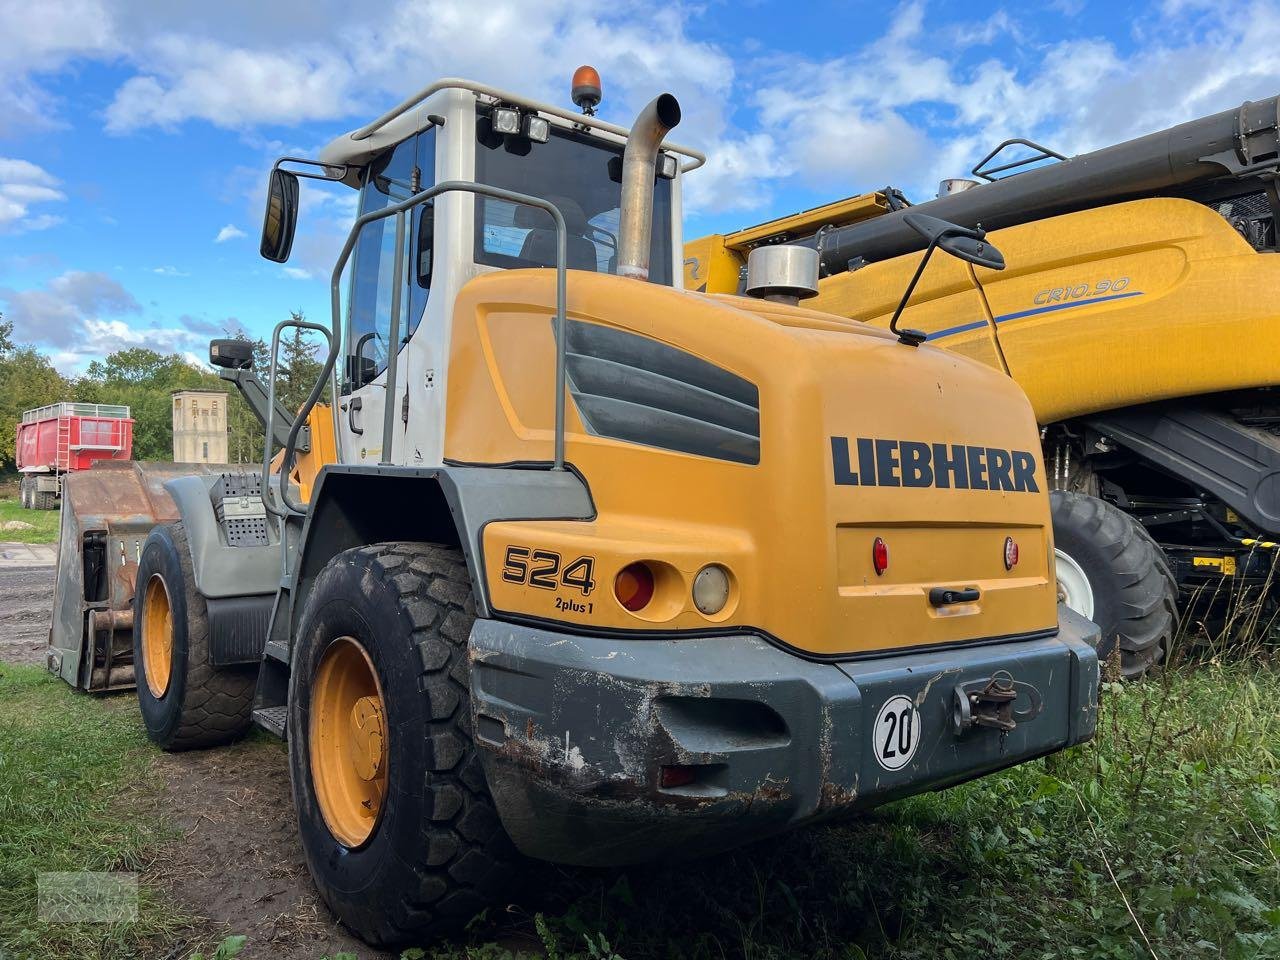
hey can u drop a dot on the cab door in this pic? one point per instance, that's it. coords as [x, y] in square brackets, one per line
[366, 341]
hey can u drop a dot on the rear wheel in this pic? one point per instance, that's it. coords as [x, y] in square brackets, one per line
[24, 492]
[186, 702]
[1111, 571]
[42, 499]
[396, 819]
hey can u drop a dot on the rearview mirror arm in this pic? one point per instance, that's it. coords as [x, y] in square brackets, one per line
[913, 338]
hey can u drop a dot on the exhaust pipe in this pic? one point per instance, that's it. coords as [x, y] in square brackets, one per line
[635, 225]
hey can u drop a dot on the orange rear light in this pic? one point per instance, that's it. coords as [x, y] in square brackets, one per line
[634, 585]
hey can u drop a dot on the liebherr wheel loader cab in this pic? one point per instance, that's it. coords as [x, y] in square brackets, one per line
[1136, 315]
[607, 570]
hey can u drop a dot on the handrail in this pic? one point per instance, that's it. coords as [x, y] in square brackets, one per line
[335, 294]
[286, 462]
[457, 83]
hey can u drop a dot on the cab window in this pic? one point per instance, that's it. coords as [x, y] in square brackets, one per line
[582, 175]
[388, 179]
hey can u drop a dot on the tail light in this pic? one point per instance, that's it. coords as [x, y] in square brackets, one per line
[1010, 553]
[880, 556]
[634, 585]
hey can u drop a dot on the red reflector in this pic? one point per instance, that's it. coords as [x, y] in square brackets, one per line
[634, 586]
[675, 776]
[880, 556]
[1010, 553]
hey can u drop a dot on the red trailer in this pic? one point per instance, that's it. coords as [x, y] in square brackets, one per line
[62, 437]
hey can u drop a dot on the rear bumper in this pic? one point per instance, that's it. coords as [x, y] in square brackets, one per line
[574, 731]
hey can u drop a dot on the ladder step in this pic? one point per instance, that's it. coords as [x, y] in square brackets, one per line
[276, 651]
[272, 719]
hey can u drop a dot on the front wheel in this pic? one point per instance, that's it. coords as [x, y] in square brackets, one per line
[186, 701]
[396, 820]
[1110, 570]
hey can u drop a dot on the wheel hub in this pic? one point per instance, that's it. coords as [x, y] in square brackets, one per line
[157, 637]
[348, 742]
[1074, 588]
[368, 752]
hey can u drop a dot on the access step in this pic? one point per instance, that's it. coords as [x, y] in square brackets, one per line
[272, 719]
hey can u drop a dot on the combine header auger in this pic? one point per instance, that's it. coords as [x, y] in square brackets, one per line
[603, 570]
[1135, 315]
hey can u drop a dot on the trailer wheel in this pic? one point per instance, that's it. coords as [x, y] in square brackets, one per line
[186, 702]
[396, 820]
[24, 492]
[1110, 570]
[41, 499]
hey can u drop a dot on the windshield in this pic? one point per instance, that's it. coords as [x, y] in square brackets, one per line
[582, 175]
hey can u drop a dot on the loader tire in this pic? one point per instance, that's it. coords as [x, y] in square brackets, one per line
[1111, 570]
[397, 823]
[186, 702]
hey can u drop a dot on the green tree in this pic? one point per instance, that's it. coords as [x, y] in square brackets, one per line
[145, 380]
[27, 380]
[300, 366]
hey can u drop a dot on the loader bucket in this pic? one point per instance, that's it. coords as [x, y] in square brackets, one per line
[107, 512]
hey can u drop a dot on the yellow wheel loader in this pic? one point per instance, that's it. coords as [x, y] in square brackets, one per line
[603, 570]
[1134, 315]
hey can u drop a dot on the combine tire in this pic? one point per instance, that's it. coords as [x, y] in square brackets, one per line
[398, 826]
[1111, 571]
[186, 702]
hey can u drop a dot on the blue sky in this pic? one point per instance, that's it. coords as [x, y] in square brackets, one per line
[135, 135]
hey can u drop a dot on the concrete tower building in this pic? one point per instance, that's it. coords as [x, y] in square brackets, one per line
[199, 426]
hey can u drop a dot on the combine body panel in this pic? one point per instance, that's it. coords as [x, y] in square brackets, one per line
[1135, 303]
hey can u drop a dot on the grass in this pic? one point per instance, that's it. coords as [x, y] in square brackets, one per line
[65, 761]
[1161, 838]
[1158, 839]
[44, 523]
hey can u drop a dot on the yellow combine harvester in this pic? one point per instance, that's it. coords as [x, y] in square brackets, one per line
[604, 570]
[1136, 317]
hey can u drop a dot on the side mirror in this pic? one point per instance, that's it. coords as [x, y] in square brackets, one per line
[964, 243]
[232, 354]
[281, 218]
[425, 245]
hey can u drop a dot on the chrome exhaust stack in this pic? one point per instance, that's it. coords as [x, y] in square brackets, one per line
[639, 162]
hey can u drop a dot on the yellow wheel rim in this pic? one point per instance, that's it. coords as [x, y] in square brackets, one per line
[157, 636]
[348, 742]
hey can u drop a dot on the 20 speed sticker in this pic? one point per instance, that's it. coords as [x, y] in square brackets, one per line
[896, 733]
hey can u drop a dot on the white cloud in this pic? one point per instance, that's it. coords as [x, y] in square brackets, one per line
[80, 316]
[296, 273]
[229, 232]
[895, 111]
[168, 271]
[23, 185]
[56, 313]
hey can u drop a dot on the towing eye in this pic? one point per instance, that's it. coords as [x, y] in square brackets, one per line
[990, 703]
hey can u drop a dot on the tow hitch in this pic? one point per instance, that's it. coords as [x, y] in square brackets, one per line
[991, 703]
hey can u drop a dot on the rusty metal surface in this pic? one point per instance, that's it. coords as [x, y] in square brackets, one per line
[574, 732]
[116, 503]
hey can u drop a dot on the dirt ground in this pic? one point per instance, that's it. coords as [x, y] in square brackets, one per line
[238, 865]
[26, 597]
